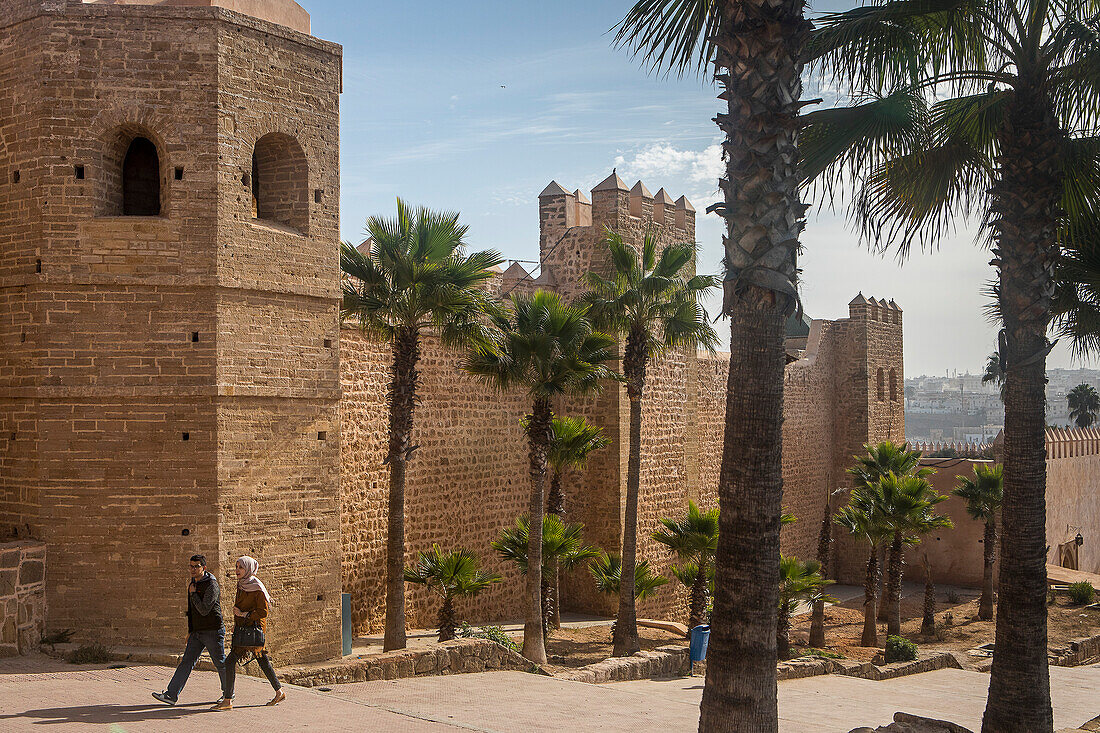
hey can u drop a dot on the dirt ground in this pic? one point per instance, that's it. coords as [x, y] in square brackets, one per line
[569, 648]
[957, 630]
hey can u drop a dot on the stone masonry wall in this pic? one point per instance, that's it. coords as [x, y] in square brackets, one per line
[22, 596]
[1073, 494]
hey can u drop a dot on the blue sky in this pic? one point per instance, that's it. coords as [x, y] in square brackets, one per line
[476, 106]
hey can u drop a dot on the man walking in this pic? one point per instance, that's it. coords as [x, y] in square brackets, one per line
[204, 629]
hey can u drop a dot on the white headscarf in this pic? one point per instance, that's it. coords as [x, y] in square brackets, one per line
[250, 582]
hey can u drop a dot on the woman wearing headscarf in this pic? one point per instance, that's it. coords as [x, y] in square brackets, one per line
[249, 613]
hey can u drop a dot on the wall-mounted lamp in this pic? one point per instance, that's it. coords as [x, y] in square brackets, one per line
[1079, 540]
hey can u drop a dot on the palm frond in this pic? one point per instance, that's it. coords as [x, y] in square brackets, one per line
[671, 35]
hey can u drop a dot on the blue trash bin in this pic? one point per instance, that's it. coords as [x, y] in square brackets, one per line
[697, 649]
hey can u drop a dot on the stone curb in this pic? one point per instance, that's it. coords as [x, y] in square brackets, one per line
[868, 671]
[1076, 653]
[666, 661]
[450, 657]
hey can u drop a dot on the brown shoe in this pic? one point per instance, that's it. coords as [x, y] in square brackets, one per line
[279, 697]
[223, 705]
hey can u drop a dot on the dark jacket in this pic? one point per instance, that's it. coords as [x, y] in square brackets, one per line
[204, 608]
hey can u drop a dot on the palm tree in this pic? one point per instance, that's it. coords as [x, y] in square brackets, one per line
[886, 458]
[862, 518]
[928, 619]
[994, 372]
[608, 572]
[694, 540]
[573, 441]
[562, 547]
[550, 349]
[756, 47]
[452, 575]
[906, 508]
[1084, 403]
[984, 494]
[824, 547]
[989, 107]
[648, 300]
[799, 580]
[415, 277]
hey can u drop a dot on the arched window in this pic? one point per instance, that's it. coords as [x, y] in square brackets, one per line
[280, 182]
[141, 179]
[893, 385]
[881, 385]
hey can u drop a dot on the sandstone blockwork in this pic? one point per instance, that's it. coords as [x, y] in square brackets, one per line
[169, 292]
[469, 479]
[22, 596]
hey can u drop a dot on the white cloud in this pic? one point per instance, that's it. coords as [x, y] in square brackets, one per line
[664, 160]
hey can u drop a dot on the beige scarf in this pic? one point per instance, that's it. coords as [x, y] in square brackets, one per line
[250, 582]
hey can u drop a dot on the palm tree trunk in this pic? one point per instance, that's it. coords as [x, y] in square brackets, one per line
[928, 622]
[881, 594]
[870, 589]
[985, 605]
[783, 632]
[760, 44]
[625, 641]
[402, 400]
[897, 566]
[697, 612]
[447, 620]
[555, 504]
[538, 440]
[548, 603]
[1024, 214]
[824, 543]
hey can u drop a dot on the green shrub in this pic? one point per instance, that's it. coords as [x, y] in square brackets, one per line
[821, 653]
[1082, 592]
[900, 649]
[492, 633]
[94, 653]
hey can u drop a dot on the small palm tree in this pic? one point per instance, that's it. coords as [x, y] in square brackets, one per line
[994, 372]
[415, 277]
[562, 547]
[694, 540]
[1084, 403]
[651, 302]
[906, 508]
[799, 581]
[453, 574]
[886, 458]
[861, 517]
[550, 349]
[607, 569]
[984, 494]
[574, 440]
[928, 619]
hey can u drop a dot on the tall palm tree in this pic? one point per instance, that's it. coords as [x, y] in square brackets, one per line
[550, 349]
[756, 47]
[907, 509]
[1084, 403]
[608, 573]
[985, 106]
[694, 540]
[984, 494]
[415, 277]
[452, 575]
[648, 299]
[799, 581]
[562, 547]
[861, 516]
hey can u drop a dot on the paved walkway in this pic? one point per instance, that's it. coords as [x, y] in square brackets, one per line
[61, 698]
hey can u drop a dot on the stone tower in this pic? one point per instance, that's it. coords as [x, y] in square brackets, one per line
[169, 380]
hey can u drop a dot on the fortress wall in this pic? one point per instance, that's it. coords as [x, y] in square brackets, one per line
[1073, 494]
[466, 482]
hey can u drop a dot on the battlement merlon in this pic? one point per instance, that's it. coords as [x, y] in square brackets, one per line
[612, 203]
[881, 311]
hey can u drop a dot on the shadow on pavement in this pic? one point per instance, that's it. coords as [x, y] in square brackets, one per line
[89, 714]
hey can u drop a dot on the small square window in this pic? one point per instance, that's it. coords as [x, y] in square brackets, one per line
[194, 337]
[179, 174]
[317, 195]
[79, 173]
[322, 435]
[38, 265]
[187, 436]
[328, 343]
